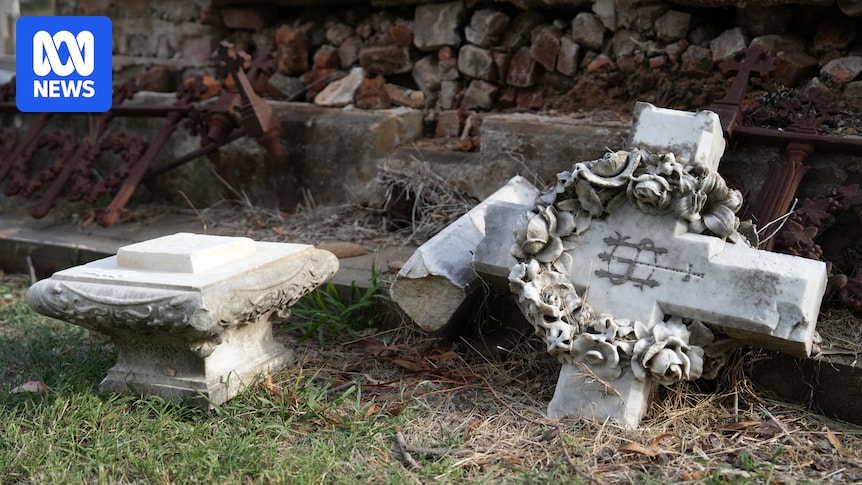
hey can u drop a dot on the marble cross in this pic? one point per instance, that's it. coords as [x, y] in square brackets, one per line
[633, 269]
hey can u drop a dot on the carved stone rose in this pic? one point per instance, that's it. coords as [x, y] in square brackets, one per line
[665, 354]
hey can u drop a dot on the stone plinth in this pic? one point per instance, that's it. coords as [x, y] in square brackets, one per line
[189, 314]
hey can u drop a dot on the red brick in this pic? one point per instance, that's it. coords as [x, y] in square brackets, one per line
[385, 60]
[292, 45]
[601, 63]
[449, 124]
[479, 94]
[675, 50]
[326, 58]
[529, 99]
[506, 97]
[658, 61]
[630, 63]
[314, 82]
[372, 94]
[545, 46]
[793, 67]
[697, 61]
[161, 79]
[447, 63]
[402, 96]
[843, 70]
[502, 61]
[523, 69]
[835, 33]
[401, 33]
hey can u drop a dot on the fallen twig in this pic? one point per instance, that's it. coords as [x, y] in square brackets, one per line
[402, 446]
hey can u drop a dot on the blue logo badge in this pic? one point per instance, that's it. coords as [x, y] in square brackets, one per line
[63, 64]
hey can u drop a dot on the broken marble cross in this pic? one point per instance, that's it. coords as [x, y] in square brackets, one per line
[634, 272]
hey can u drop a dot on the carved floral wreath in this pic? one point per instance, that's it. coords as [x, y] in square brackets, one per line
[657, 185]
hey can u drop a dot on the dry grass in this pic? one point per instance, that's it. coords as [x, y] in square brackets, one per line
[409, 206]
[484, 420]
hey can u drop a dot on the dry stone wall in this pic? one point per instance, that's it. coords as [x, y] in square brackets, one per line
[455, 58]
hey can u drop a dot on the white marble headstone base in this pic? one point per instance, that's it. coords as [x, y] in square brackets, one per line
[578, 393]
[189, 314]
[163, 366]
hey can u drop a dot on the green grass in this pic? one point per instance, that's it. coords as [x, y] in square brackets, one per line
[325, 312]
[289, 432]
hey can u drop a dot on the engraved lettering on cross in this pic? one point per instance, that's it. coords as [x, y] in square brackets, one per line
[646, 245]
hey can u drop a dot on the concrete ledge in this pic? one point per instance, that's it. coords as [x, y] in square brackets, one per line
[53, 246]
[825, 383]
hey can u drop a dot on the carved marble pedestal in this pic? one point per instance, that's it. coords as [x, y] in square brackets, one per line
[188, 313]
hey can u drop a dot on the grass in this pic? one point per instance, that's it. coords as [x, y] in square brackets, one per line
[337, 416]
[327, 313]
[291, 431]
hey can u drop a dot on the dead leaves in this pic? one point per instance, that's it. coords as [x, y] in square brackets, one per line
[651, 450]
[763, 428]
[35, 387]
[833, 440]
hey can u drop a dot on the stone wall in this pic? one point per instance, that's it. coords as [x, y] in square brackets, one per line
[484, 56]
[457, 62]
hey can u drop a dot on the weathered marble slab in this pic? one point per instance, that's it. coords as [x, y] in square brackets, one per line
[200, 332]
[435, 282]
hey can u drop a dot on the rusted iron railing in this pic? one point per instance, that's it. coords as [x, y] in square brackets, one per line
[232, 114]
[816, 229]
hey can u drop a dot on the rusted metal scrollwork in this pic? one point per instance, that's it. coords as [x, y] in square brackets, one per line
[234, 113]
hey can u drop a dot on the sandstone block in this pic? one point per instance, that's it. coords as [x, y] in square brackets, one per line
[728, 44]
[672, 26]
[522, 70]
[569, 57]
[385, 60]
[588, 30]
[340, 92]
[479, 94]
[486, 27]
[477, 63]
[545, 46]
[437, 25]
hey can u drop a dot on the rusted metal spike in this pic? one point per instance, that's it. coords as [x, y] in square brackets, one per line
[23, 143]
[753, 63]
[187, 92]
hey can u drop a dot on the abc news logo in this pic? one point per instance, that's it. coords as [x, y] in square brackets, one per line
[46, 59]
[63, 64]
